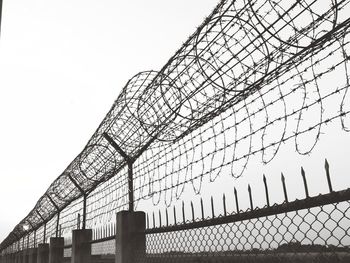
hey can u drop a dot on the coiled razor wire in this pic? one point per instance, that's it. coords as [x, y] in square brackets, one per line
[254, 75]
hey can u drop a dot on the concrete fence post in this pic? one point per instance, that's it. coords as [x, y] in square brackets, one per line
[25, 256]
[130, 238]
[32, 255]
[19, 257]
[81, 245]
[56, 250]
[43, 253]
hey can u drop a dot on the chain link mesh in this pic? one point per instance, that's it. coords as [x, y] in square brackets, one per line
[319, 234]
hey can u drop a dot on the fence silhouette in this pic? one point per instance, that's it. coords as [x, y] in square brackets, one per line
[254, 75]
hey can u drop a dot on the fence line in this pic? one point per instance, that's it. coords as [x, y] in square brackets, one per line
[254, 75]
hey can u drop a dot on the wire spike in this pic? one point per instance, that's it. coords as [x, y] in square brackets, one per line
[284, 188]
[266, 191]
[305, 182]
[326, 165]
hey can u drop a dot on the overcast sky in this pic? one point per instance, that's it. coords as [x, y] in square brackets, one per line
[62, 64]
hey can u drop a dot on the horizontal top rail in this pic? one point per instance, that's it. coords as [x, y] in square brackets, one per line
[320, 200]
[102, 239]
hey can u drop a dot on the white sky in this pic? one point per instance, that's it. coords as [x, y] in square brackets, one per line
[62, 64]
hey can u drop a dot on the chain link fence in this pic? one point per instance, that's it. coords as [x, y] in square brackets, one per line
[314, 234]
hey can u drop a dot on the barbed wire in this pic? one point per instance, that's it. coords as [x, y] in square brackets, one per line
[253, 76]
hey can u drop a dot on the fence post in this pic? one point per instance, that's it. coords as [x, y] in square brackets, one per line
[56, 250]
[43, 253]
[25, 255]
[130, 237]
[13, 257]
[32, 255]
[81, 245]
[19, 256]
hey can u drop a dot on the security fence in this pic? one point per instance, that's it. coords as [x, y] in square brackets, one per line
[255, 76]
[315, 229]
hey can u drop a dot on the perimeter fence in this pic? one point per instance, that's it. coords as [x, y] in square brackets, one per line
[256, 75]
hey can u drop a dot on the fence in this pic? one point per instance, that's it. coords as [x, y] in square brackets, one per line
[256, 75]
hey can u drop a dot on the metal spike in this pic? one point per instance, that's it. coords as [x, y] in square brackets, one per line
[224, 204]
[305, 183]
[166, 217]
[175, 215]
[44, 237]
[202, 209]
[34, 238]
[326, 165]
[192, 209]
[147, 221]
[183, 212]
[284, 188]
[154, 220]
[250, 197]
[236, 198]
[78, 221]
[266, 191]
[160, 218]
[212, 207]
